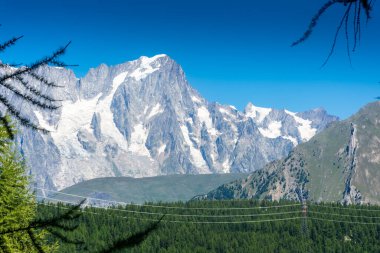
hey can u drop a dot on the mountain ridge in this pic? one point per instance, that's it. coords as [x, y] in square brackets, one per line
[142, 118]
[340, 164]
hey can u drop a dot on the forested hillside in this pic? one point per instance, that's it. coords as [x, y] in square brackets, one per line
[230, 226]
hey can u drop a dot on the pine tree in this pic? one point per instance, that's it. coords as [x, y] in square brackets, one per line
[17, 204]
[15, 86]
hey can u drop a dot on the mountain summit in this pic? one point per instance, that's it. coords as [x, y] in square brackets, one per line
[142, 118]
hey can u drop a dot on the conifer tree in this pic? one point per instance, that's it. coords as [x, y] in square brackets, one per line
[17, 204]
[15, 86]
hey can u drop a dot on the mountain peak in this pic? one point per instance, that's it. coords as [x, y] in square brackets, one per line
[142, 118]
[148, 65]
[258, 113]
[153, 58]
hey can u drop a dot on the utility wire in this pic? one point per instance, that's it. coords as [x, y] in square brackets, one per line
[194, 222]
[170, 207]
[343, 221]
[231, 222]
[345, 208]
[186, 215]
[345, 215]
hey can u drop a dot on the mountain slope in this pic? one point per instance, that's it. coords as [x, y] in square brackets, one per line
[142, 118]
[342, 163]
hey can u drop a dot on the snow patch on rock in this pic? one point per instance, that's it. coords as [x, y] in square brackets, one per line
[42, 122]
[257, 113]
[103, 107]
[292, 139]
[161, 149]
[75, 116]
[195, 154]
[157, 109]
[273, 131]
[305, 129]
[146, 67]
[226, 166]
[204, 117]
[138, 140]
[196, 99]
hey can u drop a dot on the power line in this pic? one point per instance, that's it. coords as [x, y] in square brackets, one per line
[199, 222]
[342, 221]
[171, 207]
[227, 222]
[186, 215]
[346, 215]
[230, 222]
[346, 208]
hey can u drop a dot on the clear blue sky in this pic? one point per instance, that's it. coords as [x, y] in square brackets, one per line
[232, 52]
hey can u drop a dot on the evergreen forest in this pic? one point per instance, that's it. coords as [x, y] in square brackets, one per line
[227, 226]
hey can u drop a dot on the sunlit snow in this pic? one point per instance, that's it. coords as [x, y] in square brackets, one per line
[157, 109]
[292, 139]
[273, 130]
[195, 154]
[138, 139]
[161, 149]
[305, 129]
[77, 116]
[146, 67]
[196, 99]
[257, 113]
[107, 123]
[204, 117]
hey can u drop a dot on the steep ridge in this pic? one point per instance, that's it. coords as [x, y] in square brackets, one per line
[342, 163]
[142, 118]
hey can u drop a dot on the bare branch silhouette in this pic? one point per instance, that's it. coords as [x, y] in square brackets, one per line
[354, 32]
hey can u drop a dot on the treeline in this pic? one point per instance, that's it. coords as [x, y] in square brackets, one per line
[228, 226]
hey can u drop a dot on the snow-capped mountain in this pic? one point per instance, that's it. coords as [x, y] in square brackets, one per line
[142, 118]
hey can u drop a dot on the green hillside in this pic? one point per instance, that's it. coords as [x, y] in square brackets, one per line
[151, 189]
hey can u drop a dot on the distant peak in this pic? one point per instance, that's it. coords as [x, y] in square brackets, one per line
[160, 56]
[147, 65]
[153, 58]
[252, 107]
[258, 113]
[319, 109]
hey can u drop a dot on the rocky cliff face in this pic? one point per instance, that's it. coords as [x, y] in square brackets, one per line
[342, 163]
[142, 118]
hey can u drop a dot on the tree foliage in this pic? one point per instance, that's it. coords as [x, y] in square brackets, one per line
[183, 233]
[17, 204]
[350, 21]
[15, 85]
